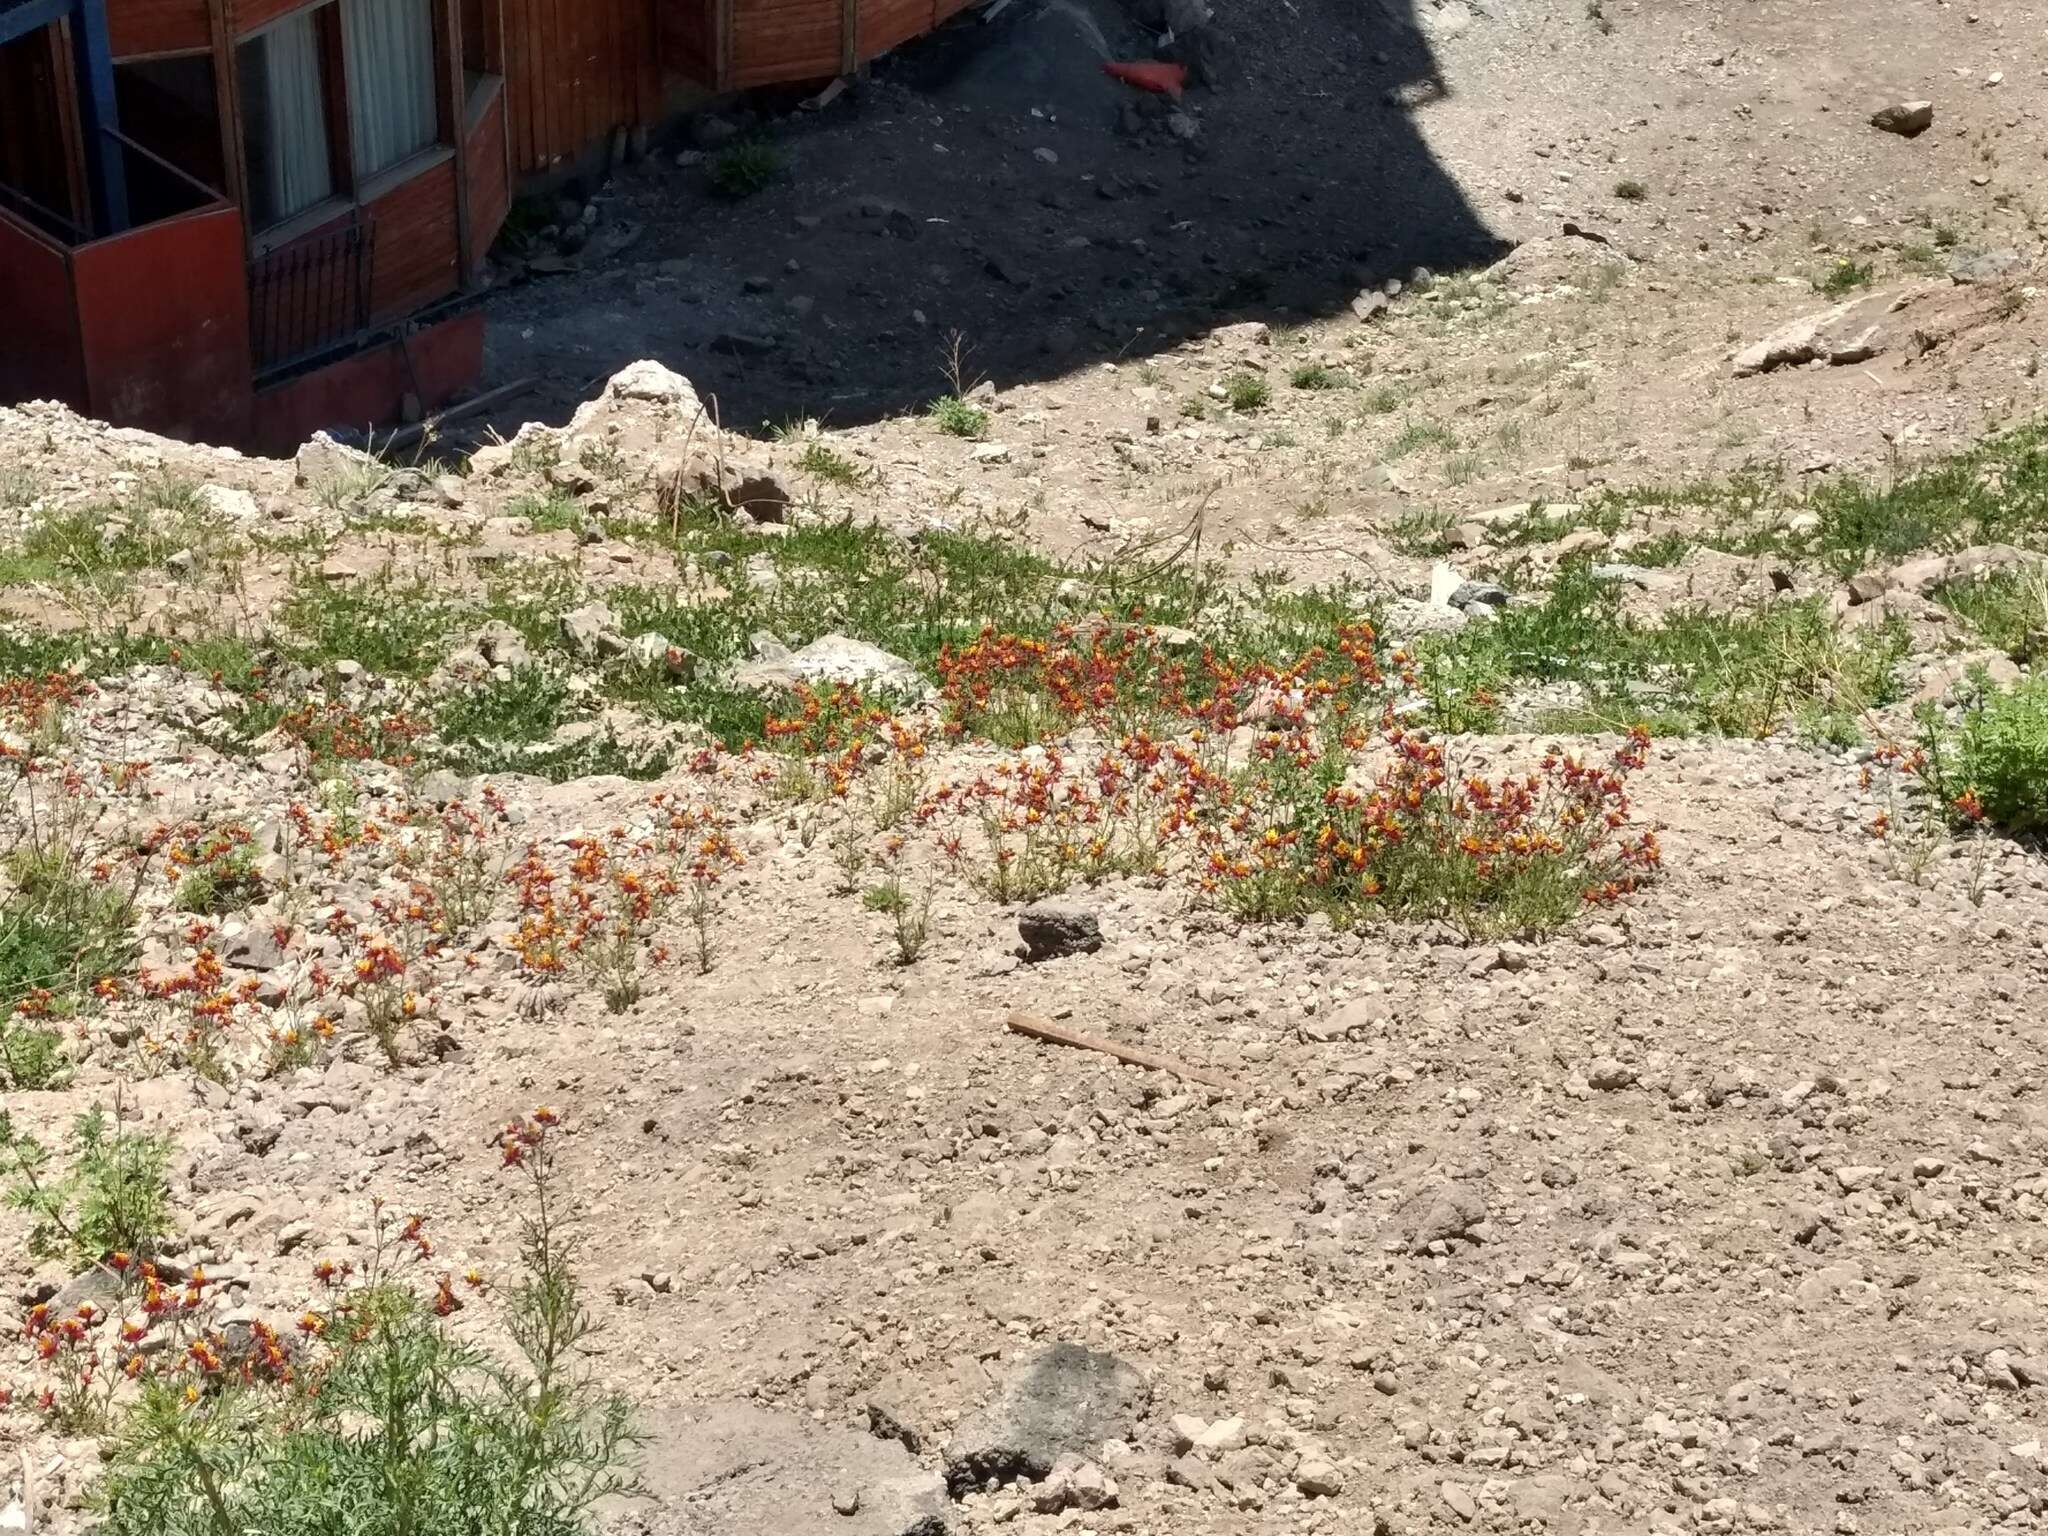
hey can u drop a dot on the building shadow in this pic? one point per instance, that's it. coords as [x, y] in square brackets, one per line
[992, 182]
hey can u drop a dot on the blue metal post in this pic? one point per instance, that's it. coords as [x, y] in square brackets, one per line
[99, 116]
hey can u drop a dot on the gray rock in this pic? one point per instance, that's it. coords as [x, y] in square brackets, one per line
[1051, 929]
[323, 464]
[1490, 593]
[501, 645]
[1853, 331]
[1074, 1484]
[1607, 1074]
[1908, 119]
[832, 659]
[442, 788]
[1369, 304]
[1452, 1212]
[255, 949]
[591, 631]
[1318, 1478]
[653, 650]
[1065, 1399]
[1982, 266]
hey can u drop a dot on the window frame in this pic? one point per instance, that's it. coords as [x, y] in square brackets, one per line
[351, 191]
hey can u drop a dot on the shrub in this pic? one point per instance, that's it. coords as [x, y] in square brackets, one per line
[1631, 191]
[953, 416]
[1994, 765]
[1246, 392]
[1844, 278]
[383, 1421]
[746, 168]
[1315, 376]
[830, 466]
[113, 1199]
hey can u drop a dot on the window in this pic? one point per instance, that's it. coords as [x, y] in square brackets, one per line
[167, 105]
[389, 46]
[285, 109]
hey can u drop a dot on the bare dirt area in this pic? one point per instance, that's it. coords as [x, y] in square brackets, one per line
[1278, 906]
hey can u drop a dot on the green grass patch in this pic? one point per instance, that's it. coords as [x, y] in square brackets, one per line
[833, 468]
[1845, 277]
[1247, 392]
[1748, 673]
[2007, 607]
[1419, 435]
[956, 418]
[1316, 376]
[396, 627]
[744, 169]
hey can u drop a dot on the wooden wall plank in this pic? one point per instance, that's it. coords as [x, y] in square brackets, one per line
[490, 185]
[785, 40]
[416, 255]
[139, 27]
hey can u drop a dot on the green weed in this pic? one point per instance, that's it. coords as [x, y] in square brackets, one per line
[953, 416]
[744, 169]
[1247, 392]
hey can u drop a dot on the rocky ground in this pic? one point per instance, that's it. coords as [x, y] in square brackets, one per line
[1719, 1210]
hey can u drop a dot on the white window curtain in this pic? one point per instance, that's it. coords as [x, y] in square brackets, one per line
[388, 53]
[294, 162]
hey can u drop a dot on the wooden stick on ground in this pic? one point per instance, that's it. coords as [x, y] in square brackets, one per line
[1044, 1029]
[405, 437]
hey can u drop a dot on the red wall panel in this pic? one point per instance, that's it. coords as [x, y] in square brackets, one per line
[417, 257]
[490, 185]
[886, 23]
[180, 368]
[157, 26]
[245, 16]
[39, 349]
[689, 39]
[781, 40]
[365, 390]
[574, 71]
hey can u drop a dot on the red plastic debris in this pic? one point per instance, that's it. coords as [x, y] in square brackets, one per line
[1166, 79]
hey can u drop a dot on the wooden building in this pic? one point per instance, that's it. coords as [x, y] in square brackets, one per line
[239, 220]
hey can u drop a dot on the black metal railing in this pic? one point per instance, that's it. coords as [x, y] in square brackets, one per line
[311, 295]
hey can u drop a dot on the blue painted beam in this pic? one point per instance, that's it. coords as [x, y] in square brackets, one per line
[26, 16]
[98, 115]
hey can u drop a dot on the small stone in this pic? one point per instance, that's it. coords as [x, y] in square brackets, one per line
[591, 630]
[1908, 119]
[1317, 1478]
[1452, 1212]
[1222, 1436]
[1609, 1075]
[1460, 1501]
[1854, 1178]
[1051, 929]
[846, 1499]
